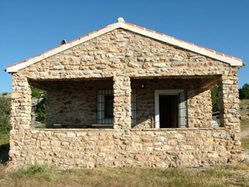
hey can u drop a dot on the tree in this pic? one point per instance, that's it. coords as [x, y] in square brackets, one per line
[244, 92]
[5, 114]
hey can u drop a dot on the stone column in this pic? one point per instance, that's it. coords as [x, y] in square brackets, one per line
[20, 103]
[20, 118]
[122, 102]
[231, 116]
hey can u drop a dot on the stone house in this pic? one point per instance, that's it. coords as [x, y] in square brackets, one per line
[126, 96]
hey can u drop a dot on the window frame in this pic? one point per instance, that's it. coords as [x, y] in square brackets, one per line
[101, 118]
[101, 107]
[182, 101]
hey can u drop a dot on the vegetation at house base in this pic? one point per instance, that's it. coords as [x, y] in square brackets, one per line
[4, 126]
[35, 175]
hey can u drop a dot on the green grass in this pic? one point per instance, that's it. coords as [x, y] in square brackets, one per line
[4, 138]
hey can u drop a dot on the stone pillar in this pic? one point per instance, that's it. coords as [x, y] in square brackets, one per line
[20, 103]
[20, 118]
[230, 111]
[122, 102]
[199, 108]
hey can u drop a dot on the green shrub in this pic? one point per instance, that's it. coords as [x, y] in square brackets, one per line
[215, 98]
[5, 93]
[36, 92]
[31, 171]
[5, 115]
[40, 108]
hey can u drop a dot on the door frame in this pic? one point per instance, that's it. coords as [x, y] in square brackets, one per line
[157, 94]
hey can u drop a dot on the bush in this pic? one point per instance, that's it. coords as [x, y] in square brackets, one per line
[5, 115]
[40, 107]
[33, 171]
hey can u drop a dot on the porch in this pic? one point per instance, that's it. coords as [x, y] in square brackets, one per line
[148, 102]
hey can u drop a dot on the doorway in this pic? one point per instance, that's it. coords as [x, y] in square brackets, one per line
[168, 111]
[170, 108]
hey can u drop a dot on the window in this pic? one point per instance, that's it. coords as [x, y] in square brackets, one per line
[105, 107]
[133, 107]
[108, 106]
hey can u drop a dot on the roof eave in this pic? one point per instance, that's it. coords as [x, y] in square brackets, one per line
[16, 67]
[185, 45]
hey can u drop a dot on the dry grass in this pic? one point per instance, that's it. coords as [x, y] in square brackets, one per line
[244, 102]
[231, 175]
[245, 142]
[244, 124]
[244, 111]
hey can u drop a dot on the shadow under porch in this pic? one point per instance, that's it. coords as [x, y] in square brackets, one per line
[88, 103]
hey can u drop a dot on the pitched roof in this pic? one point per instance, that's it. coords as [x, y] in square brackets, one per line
[233, 61]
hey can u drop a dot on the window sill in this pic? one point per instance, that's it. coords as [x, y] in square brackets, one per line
[65, 128]
[71, 129]
[100, 125]
[177, 129]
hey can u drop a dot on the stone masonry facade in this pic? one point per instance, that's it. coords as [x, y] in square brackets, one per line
[121, 60]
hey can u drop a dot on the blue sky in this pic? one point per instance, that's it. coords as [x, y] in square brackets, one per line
[30, 27]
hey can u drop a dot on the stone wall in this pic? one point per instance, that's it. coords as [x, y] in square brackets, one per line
[123, 56]
[74, 103]
[124, 53]
[79, 148]
[199, 109]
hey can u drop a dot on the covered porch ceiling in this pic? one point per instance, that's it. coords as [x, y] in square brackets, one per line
[204, 82]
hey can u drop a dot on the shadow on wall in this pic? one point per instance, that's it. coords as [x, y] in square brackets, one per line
[196, 91]
[4, 153]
